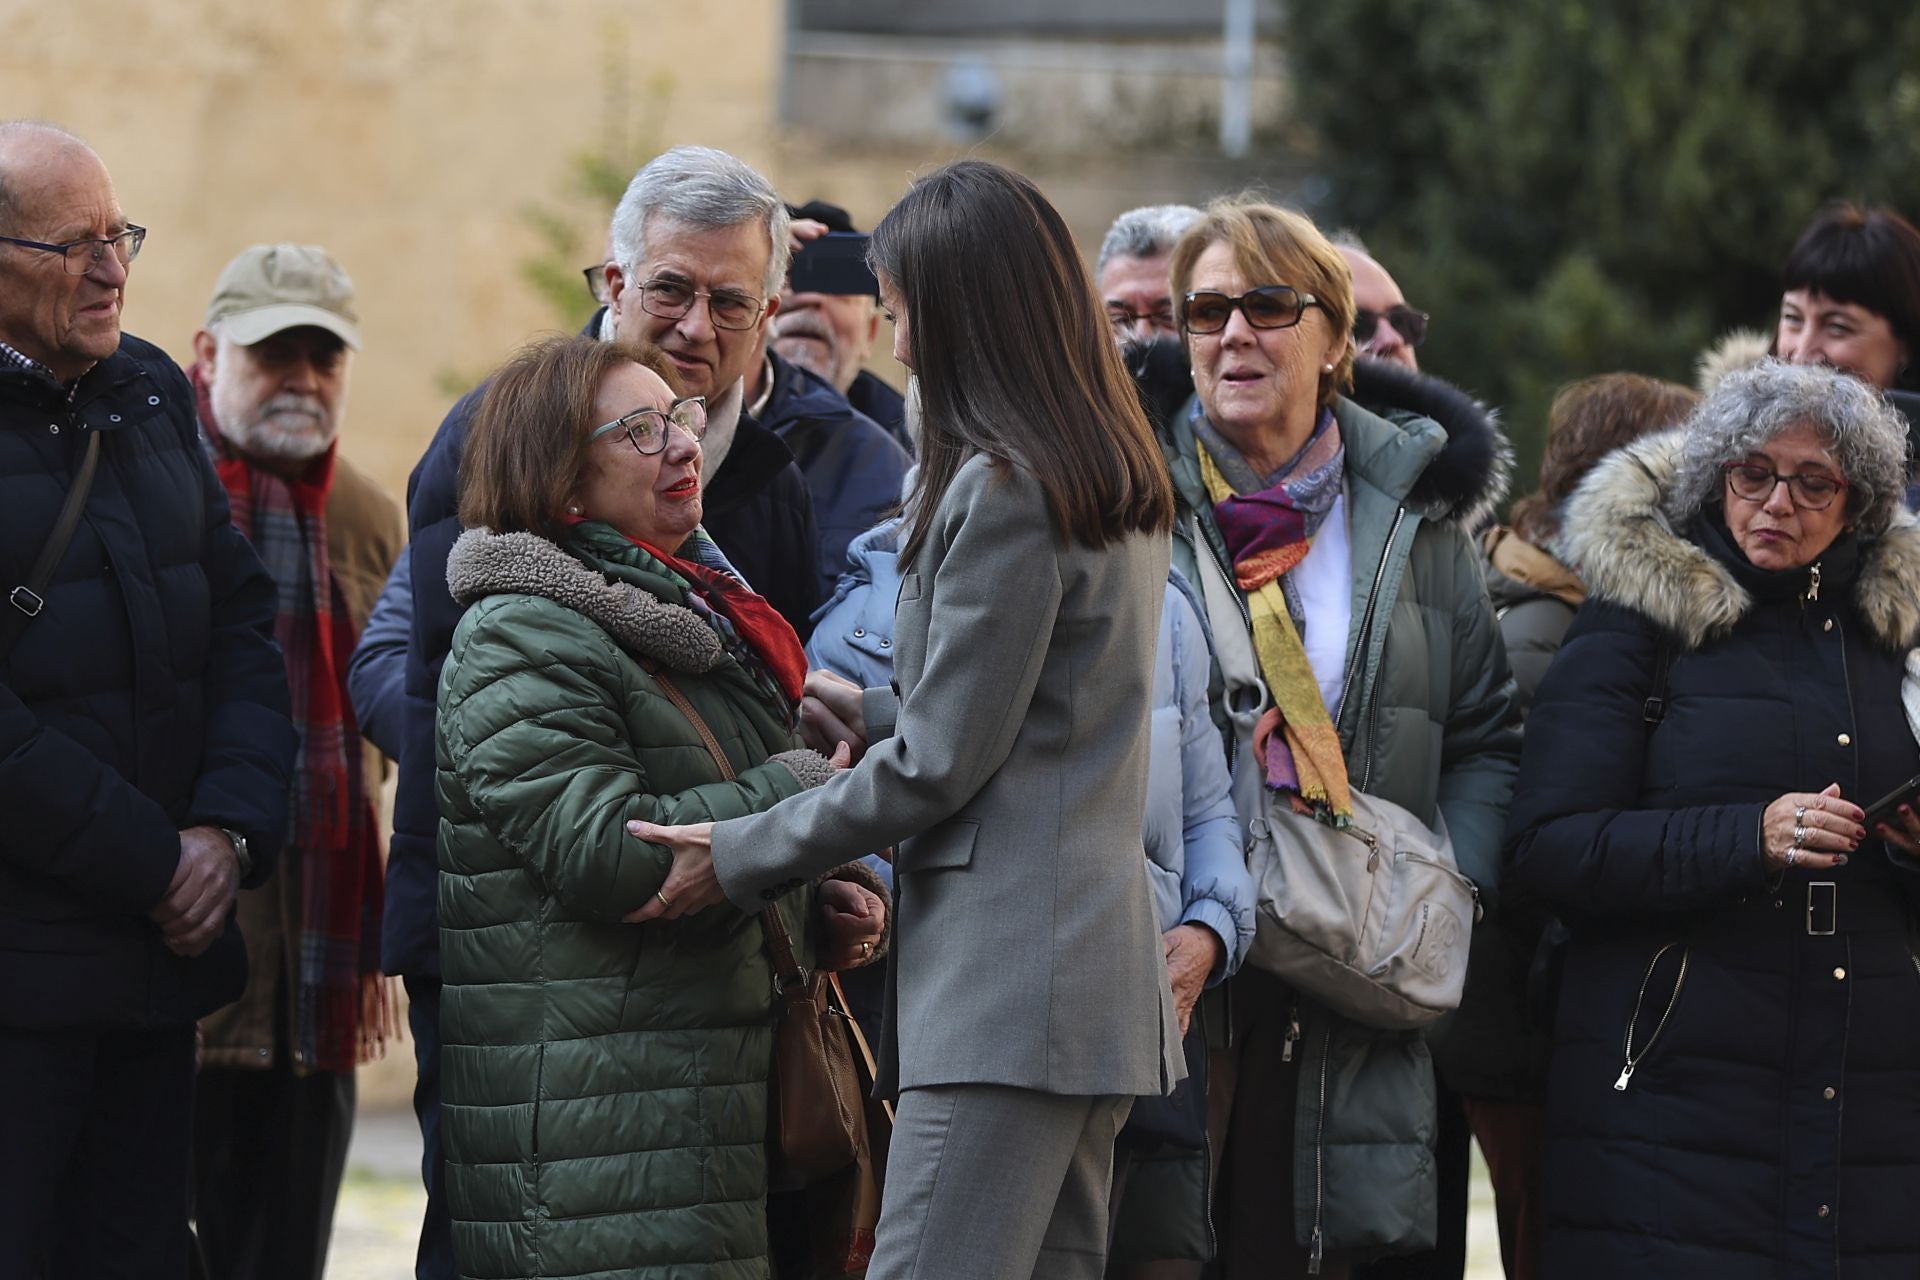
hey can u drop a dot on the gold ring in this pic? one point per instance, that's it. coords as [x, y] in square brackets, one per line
[866, 950]
[665, 901]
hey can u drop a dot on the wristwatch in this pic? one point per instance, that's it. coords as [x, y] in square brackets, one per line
[240, 850]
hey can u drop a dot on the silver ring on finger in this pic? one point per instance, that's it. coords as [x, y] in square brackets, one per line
[1793, 854]
[1800, 813]
[1799, 834]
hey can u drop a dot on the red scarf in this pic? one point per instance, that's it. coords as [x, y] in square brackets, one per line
[340, 1014]
[770, 636]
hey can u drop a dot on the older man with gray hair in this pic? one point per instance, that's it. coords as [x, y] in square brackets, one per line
[700, 245]
[1131, 272]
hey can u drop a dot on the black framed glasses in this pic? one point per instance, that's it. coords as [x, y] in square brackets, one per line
[596, 276]
[671, 299]
[647, 428]
[1410, 324]
[1810, 490]
[83, 256]
[1273, 306]
[1125, 322]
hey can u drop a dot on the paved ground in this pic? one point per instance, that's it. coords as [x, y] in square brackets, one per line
[379, 1215]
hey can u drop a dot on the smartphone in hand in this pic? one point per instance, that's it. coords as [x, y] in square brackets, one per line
[1883, 809]
[834, 263]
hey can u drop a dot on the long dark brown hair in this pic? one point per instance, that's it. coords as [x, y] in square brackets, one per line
[527, 448]
[1014, 356]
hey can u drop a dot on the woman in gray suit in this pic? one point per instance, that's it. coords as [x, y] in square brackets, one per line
[1027, 1002]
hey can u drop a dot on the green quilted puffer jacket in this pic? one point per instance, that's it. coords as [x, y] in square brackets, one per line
[604, 1101]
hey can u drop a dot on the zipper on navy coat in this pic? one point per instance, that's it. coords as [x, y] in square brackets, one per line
[1318, 1246]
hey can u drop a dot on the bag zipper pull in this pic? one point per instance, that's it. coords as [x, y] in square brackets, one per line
[1293, 1034]
[1319, 1251]
[1626, 1074]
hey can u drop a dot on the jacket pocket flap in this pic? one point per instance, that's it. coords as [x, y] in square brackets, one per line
[947, 846]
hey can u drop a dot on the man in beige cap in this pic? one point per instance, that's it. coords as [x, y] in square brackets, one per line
[276, 1087]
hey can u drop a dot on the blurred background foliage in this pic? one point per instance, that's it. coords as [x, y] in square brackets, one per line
[1573, 188]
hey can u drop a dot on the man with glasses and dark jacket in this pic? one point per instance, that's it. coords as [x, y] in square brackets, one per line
[145, 742]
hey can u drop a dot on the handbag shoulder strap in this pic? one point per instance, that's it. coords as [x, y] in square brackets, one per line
[29, 598]
[779, 942]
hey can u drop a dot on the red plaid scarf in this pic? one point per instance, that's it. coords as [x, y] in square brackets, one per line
[341, 1014]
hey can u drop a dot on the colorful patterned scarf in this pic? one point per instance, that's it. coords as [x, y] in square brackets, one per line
[1268, 532]
[341, 1013]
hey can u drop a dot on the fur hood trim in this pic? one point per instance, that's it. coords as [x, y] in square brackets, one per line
[1737, 349]
[1617, 535]
[484, 563]
[1468, 480]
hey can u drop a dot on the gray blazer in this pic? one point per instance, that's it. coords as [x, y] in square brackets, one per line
[1010, 773]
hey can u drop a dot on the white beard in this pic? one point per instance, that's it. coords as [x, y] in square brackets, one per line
[286, 428]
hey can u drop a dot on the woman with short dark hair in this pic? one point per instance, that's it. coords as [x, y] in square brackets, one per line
[1737, 1050]
[604, 1104]
[1028, 1002]
[1850, 296]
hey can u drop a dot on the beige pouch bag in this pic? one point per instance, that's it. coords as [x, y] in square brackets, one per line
[1373, 921]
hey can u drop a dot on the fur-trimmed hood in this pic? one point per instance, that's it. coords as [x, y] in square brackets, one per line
[1468, 479]
[484, 563]
[1464, 483]
[1617, 535]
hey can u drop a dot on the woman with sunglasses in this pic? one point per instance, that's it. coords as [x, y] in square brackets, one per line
[1737, 1051]
[604, 1083]
[1344, 537]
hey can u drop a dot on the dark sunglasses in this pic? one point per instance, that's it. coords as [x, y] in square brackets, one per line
[1411, 325]
[1273, 306]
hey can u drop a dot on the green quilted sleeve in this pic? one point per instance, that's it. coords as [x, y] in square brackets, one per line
[534, 725]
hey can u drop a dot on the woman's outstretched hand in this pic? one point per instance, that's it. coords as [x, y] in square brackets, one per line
[854, 919]
[691, 883]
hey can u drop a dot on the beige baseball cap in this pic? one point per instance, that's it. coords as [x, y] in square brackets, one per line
[272, 287]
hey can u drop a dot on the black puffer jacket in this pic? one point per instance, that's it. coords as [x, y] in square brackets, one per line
[1769, 1127]
[148, 697]
[854, 469]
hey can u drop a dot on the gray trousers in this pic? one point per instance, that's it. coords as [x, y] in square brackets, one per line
[986, 1182]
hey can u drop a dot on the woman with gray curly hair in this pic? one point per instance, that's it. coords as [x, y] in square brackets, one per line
[1691, 795]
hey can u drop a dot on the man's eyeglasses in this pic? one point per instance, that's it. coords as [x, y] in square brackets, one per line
[647, 428]
[83, 256]
[596, 281]
[672, 299]
[1125, 321]
[1810, 490]
[1411, 325]
[1273, 306]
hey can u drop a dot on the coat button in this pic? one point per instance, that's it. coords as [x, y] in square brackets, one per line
[54, 427]
[113, 417]
[1840, 974]
[886, 644]
[1828, 625]
[1823, 1211]
[1827, 1093]
[859, 633]
[1845, 740]
[153, 400]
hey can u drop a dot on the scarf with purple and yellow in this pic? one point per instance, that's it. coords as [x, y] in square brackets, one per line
[1268, 531]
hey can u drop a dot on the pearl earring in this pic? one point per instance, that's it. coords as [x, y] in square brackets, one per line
[1326, 368]
[573, 511]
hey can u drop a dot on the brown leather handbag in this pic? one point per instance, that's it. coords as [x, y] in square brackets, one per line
[816, 1115]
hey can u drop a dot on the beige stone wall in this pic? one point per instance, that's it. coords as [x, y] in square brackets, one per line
[408, 137]
[414, 138]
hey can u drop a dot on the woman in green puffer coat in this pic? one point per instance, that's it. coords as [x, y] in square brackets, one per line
[604, 1104]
